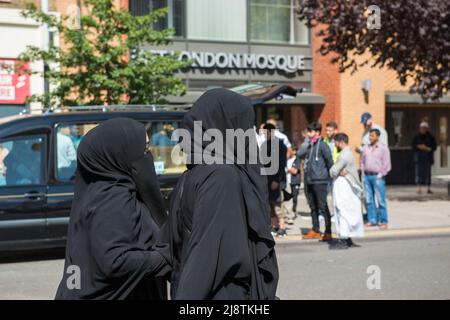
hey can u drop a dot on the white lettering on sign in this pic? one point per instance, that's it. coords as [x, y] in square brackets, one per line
[6, 80]
[14, 81]
[284, 62]
[7, 93]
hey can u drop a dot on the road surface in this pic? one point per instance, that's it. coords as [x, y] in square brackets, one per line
[413, 267]
[409, 268]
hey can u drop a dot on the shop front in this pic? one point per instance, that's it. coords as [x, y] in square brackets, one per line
[237, 43]
[231, 65]
[14, 87]
[17, 33]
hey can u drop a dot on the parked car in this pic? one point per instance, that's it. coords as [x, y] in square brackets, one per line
[38, 163]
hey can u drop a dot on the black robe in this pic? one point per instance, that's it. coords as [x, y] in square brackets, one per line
[219, 225]
[112, 232]
[422, 157]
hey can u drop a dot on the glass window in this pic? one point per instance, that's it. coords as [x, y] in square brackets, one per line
[275, 21]
[217, 20]
[174, 19]
[167, 159]
[68, 138]
[22, 161]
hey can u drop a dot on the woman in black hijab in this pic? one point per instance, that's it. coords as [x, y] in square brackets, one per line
[112, 228]
[219, 225]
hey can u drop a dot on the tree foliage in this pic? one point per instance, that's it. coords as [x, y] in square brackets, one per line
[93, 65]
[413, 38]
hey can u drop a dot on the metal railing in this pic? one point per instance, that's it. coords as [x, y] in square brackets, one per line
[115, 108]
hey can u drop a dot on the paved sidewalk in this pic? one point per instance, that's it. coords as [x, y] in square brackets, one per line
[409, 193]
[406, 210]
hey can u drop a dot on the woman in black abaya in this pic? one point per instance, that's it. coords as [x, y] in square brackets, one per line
[219, 225]
[116, 214]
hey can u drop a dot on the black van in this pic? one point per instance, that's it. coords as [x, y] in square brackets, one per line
[38, 162]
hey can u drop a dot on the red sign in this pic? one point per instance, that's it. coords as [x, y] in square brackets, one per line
[14, 86]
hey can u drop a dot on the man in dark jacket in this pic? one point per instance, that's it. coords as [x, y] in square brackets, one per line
[424, 145]
[293, 179]
[277, 179]
[317, 166]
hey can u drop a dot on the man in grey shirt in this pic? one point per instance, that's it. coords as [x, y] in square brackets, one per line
[347, 194]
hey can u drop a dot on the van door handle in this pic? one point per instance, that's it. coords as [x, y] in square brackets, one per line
[34, 195]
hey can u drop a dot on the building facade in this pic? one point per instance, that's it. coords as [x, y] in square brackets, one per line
[378, 91]
[238, 42]
[16, 33]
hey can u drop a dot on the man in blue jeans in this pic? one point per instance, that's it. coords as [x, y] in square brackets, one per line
[375, 165]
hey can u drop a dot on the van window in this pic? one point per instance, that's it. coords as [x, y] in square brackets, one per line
[22, 161]
[168, 160]
[69, 136]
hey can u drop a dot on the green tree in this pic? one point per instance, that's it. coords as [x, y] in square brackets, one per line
[93, 66]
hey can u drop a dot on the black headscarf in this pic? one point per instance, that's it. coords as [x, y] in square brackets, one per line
[222, 109]
[111, 232]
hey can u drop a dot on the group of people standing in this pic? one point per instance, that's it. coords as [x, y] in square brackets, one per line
[352, 193]
[329, 166]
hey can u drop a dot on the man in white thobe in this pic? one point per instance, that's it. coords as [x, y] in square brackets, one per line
[347, 194]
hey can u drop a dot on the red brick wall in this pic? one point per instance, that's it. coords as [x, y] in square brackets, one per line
[18, 4]
[299, 121]
[325, 81]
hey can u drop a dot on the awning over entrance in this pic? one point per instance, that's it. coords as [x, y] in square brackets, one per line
[300, 99]
[406, 98]
[189, 98]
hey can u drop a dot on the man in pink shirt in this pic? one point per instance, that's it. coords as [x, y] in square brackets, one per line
[375, 165]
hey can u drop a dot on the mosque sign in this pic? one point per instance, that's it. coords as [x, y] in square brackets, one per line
[257, 61]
